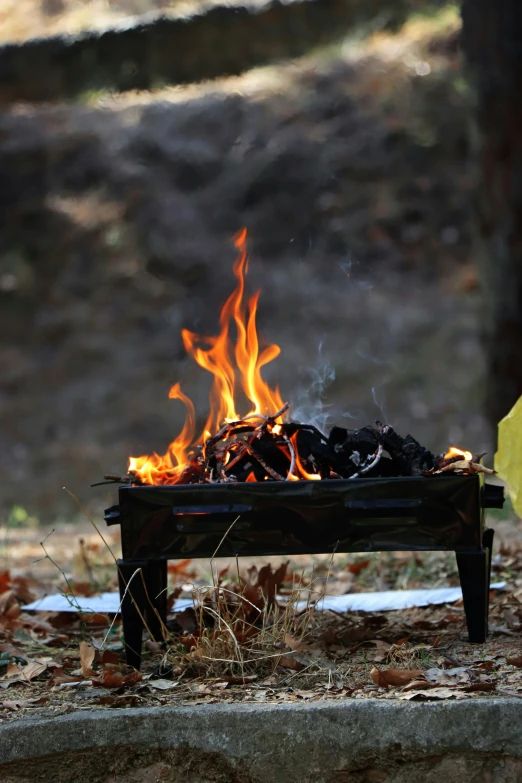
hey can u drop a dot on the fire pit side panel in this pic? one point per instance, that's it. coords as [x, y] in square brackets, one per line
[306, 517]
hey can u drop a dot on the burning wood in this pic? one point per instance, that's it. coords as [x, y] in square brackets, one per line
[264, 445]
[261, 449]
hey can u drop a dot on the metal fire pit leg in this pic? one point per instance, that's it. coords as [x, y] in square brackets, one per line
[156, 583]
[133, 607]
[487, 543]
[474, 572]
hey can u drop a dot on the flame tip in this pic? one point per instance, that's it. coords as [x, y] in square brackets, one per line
[455, 451]
[218, 357]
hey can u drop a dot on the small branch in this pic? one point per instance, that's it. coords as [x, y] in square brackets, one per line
[292, 455]
[279, 413]
[375, 461]
[271, 472]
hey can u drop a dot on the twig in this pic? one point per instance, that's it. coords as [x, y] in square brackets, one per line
[509, 693]
[91, 520]
[216, 438]
[292, 455]
[112, 478]
[87, 564]
[375, 460]
[70, 598]
[137, 571]
[271, 472]
[254, 416]
[449, 657]
[279, 413]
[219, 547]
[240, 455]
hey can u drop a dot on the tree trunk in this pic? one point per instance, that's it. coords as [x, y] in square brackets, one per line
[492, 41]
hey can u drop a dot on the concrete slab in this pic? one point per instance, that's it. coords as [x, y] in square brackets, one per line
[371, 741]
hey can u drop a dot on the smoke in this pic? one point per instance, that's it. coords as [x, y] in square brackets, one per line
[309, 406]
[352, 269]
[379, 398]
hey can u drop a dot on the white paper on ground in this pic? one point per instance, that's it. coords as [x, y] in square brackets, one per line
[392, 599]
[105, 603]
[109, 603]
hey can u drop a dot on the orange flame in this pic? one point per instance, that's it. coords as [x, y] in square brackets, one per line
[226, 361]
[217, 358]
[154, 469]
[453, 452]
[299, 465]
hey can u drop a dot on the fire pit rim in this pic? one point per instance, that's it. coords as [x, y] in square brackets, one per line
[268, 486]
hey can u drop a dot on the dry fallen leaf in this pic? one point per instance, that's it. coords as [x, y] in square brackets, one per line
[381, 650]
[112, 679]
[467, 465]
[386, 677]
[9, 606]
[459, 675]
[515, 661]
[294, 644]
[17, 705]
[16, 673]
[162, 685]
[59, 677]
[480, 686]
[33, 669]
[239, 680]
[109, 657]
[434, 693]
[418, 685]
[5, 580]
[87, 654]
[357, 567]
[131, 700]
[306, 695]
[13, 670]
[290, 662]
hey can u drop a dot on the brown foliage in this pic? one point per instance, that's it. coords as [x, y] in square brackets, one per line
[397, 677]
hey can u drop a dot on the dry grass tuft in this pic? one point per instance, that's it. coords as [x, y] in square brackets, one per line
[244, 631]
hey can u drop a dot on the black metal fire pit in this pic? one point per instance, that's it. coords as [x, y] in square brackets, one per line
[161, 523]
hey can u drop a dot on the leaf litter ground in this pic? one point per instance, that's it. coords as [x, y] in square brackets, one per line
[240, 645]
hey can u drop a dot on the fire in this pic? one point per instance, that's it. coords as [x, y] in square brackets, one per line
[235, 366]
[453, 452]
[217, 357]
[154, 469]
[259, 445]
[299, 464]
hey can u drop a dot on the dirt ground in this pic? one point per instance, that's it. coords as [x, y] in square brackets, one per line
[350, 170]
[55, 663]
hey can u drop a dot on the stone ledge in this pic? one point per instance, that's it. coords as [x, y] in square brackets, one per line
[364, 741]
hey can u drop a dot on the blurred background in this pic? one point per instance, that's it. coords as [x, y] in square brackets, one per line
[349, 163]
